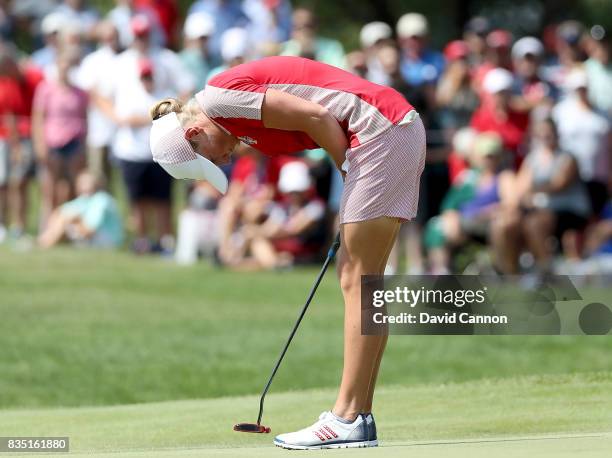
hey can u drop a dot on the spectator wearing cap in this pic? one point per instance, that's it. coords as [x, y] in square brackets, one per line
[473, 202]
[234, 50]
[530, 89]
[227, 14]
[420, 65]
[462, 145]
[294, 231]
[270, 24]
[59, 129]
[474, 35]
[569, 36]
[77, 11]
[70, 37]
[372, 37]
[170, 76]
[455, 97]
[195, 55]
[306, 42]
[421, 68]
[121, 15]
[585, 134]
[495, 113]
[93, 76]
[497, 56]
[599, 70]
[568, 53]
[50, 26]
[252, 187]
[147, 184]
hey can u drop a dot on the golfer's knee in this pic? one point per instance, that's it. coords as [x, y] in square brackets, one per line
[350, 276]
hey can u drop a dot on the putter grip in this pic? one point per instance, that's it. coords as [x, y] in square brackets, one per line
[335, 246]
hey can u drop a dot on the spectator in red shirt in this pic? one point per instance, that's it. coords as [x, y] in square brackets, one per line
[167, 13]
[251, 191]
[16, 155]
[293, 230]
[496, 115]
[497, 55]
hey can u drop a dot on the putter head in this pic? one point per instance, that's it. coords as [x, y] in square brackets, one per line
[251, 428]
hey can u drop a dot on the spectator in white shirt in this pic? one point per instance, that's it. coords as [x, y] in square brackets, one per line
[94, 73]
[148, 185]
[585, 133]
[195, 54]
[170, 75]
[372, 36]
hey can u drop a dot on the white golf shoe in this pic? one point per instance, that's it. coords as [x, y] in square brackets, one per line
[329, 432]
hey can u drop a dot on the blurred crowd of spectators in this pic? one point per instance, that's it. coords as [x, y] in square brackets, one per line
[518, 172]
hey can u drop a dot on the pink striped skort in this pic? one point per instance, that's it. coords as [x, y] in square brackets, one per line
[384, 174]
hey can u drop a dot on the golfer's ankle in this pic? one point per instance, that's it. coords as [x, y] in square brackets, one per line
[347, 414]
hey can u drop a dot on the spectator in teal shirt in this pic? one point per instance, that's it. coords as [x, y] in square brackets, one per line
[199, 27]
[92, 219]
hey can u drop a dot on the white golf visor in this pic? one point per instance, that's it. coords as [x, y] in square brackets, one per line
[175, 154]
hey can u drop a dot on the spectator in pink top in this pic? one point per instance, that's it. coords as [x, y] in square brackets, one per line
[59, 128]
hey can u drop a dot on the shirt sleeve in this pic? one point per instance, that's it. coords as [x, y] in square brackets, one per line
[232, 96]
[94, 215]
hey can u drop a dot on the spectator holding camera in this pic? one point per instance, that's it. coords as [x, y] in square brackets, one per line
[455, 97]
[530, 90]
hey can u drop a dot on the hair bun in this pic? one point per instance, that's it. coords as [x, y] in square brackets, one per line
[164, 107]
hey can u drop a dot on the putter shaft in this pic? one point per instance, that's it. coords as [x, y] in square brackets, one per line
[330, 256]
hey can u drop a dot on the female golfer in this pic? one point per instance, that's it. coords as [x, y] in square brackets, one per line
[287, 104]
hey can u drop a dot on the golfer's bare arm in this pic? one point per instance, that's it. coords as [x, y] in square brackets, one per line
[288, 112]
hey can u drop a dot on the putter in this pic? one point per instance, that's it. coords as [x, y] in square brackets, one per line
[258, 427]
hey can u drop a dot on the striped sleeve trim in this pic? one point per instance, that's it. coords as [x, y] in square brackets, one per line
[228, 103]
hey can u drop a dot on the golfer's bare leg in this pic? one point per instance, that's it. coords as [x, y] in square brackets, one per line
[365, 246]
[383, 343]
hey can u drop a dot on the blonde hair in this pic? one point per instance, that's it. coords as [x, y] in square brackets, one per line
[186, 112]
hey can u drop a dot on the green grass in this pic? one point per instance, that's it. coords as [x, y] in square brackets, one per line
[542, 415]
[80, 328]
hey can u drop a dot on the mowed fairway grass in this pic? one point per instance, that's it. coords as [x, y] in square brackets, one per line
[137, 354]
